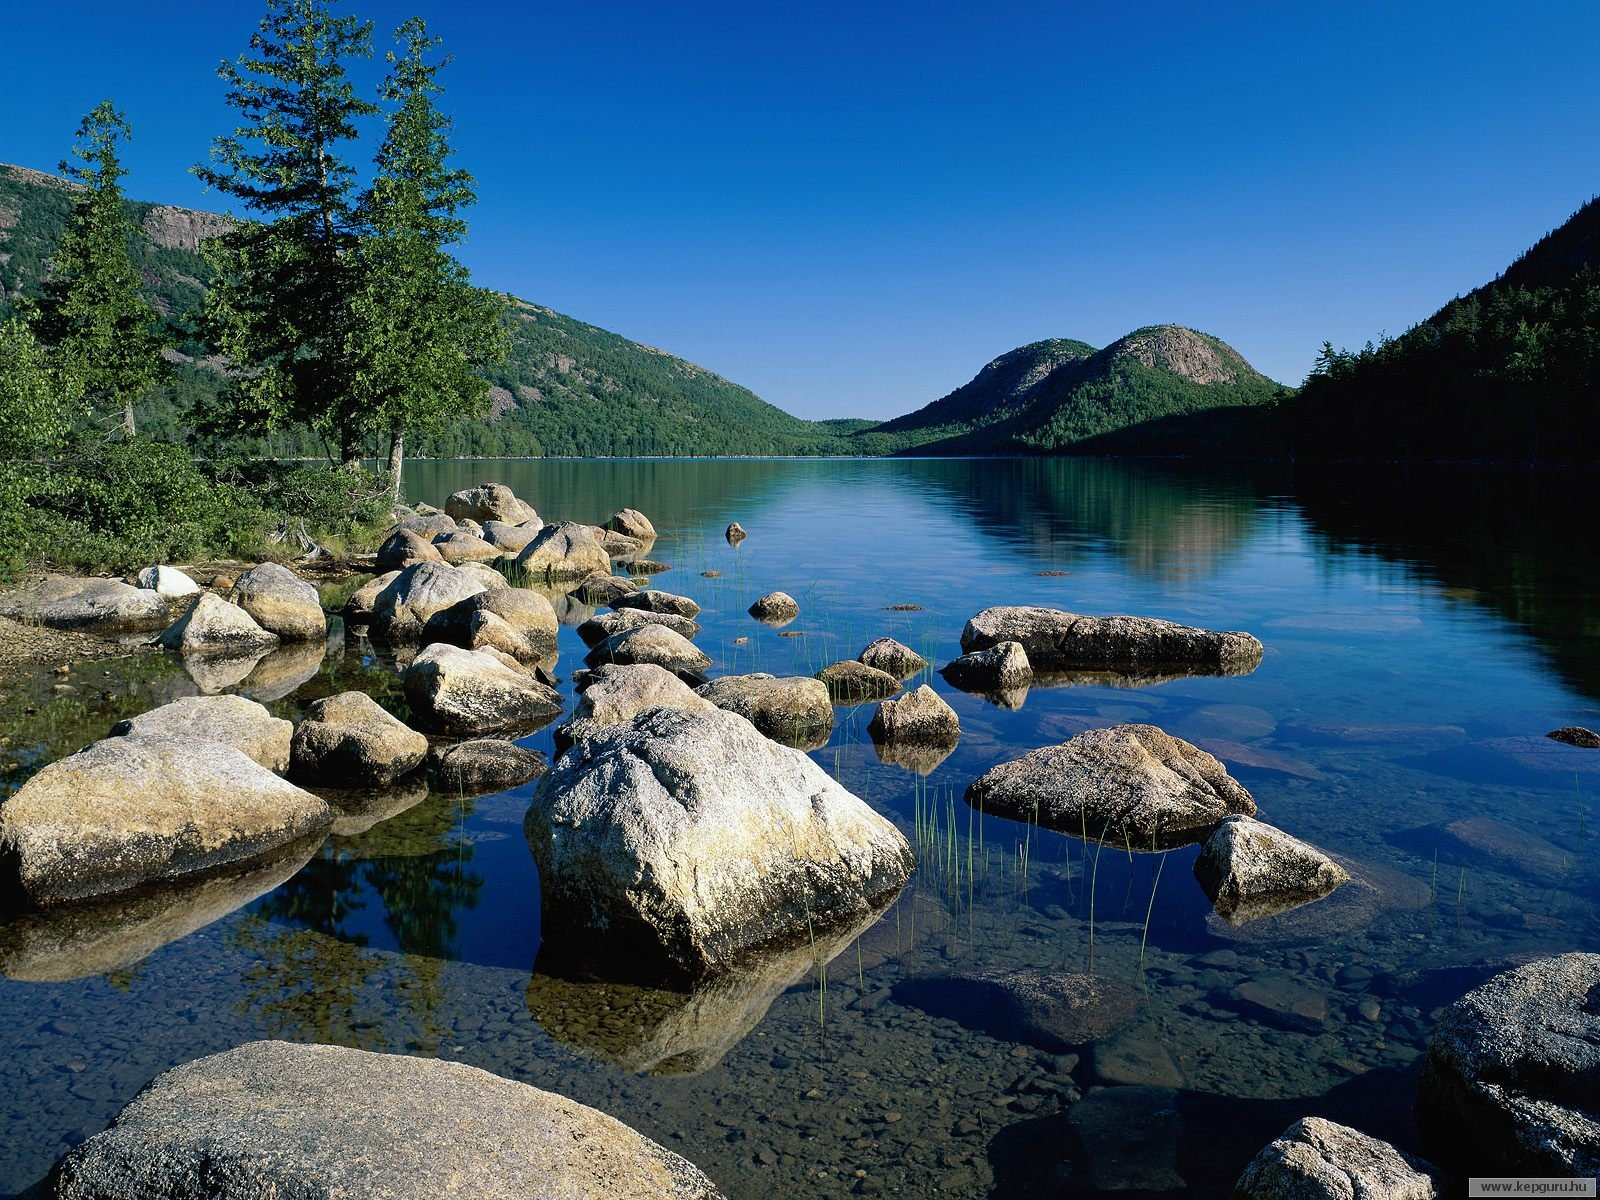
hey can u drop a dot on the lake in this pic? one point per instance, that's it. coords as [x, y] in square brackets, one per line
[1423, 630]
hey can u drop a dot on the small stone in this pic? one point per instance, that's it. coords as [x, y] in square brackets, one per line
[1576, 735]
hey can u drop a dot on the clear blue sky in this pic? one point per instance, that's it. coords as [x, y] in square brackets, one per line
[851, 207]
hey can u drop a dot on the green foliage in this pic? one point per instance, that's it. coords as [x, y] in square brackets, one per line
[37, 394]
[91, 310]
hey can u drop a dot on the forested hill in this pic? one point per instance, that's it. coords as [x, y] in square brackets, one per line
[567, 388]
[1053, 396]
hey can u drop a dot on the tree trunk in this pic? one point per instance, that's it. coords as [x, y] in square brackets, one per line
[127, 420]
[350, 449]
[397, 461]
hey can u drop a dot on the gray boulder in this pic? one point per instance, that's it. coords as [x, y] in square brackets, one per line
[615, 694]
[489, 502]
[107, 607]
[232, 720]
[655, 601]
[683, 843]
[404, 548]
[650, 643]
[604, 625]
[1316, 1159]
[1511, 1084]
[892, 658]
[517, 621]
[564, 551]
[275, 1119]
[795, 711]
[920, 717]
[166, 581]
[402, 607]
[1250, 869]
[429, 524]
[281, 603]
[485, 765]
[1056, 639]
[1129, 784]
[618, 545]
[213, 626]
[632, 523]
[1001, 668]
[851, 682]
[469, 692]
[363, 602]
[461, 547]
[605, 588]
[351, 741]
[509, 539]
[134, 810]
[775, 608]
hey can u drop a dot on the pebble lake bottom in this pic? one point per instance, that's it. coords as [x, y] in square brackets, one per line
[1423, 631]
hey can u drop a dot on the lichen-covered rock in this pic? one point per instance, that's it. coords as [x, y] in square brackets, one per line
[775, 608]
[352, 741]
[1251, 869]
[1511, 1084]
[796, 711]
[461, 547]
[404, 548]
[1316, 1159]
[134, 810]
[281, 603]
[232, 720]
[1055, 639]
[107, 607]
[470, 692]
[655, 601]
[920, 716]
[851, 682]
[213, 626]
[1000, 668]
[632, 523]
[165, 581]
[402, 607]
[485, 765]
[650, 643]
[1129, 784]
[1576, 735]
[518, 621]
[892, 658]
[284, 1120]
[682, 843]
[489, 502]
[564, 551]
[604, 625]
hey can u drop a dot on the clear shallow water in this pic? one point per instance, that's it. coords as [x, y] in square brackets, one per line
[1423, 632]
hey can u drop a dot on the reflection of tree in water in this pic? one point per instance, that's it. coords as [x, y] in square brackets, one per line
[315, 976]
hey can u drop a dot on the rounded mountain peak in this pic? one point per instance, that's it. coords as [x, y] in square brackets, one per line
[1197, 357]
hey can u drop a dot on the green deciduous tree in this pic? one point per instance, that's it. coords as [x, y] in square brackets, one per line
[281, 302]
[421, 331]
[91, 311]
[37, 394]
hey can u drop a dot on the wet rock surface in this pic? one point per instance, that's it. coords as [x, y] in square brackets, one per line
[1576, 735]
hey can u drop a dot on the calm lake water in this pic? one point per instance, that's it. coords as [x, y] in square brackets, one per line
[1423, 630]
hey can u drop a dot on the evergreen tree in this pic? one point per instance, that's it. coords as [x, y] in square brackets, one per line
[280, 305]
[91, 311]
[421, 331]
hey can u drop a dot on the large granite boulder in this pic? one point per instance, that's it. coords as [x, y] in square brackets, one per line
[775, 608]
[1000, 668]
[564, 551]
[795, 711]
[363, 603]
[275, 1119]
[618, 545]
[107, 607]
[630, 522]
[851, 682]
[134, 810]
[351, 741]
[892, 658]
[604, 625]
[1511, 1085]
[404, 548]
[402, 607]
[1250, 869]
[489, 502]
[1317, 1159]
[472, 692]
[682, 843]
[231, 720]
[920, 717]
[1054, 639]
[213, 626]
[617, 693]
[655, 601]
[650, 643]
[281, 603]
[517, 621]
[509, 539]
[1129, 784]
[429, 524]
[485, 765]
[166, 581]
[462, 546]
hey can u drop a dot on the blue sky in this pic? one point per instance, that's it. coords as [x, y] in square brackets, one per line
[850, 208]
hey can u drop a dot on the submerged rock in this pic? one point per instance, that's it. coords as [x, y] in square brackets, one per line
[213, 626]
[486, 765]
[489, 502]
[892, 658]
[1053, 1010]
[1315, 1159]
[107, 607]
[852, 682]
[351, 741]
[1511, 1084]
[281, 603]
[920, 717]
[472, 692]
[657, 601]
[165, 581]
[1000, 668]
[683, 843]
[775, 608]
[284, 1120]
[795, 711]
[1128, 784]
[1055, 639]
[564, 551]
[604, 625]
[232, 720]
[1250, 869]
[133, 810]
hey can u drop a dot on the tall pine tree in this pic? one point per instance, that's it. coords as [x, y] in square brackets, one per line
[421, 330]
[90, 309]
[281, 303]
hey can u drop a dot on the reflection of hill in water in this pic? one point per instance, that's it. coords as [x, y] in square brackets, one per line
[1521, 544]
